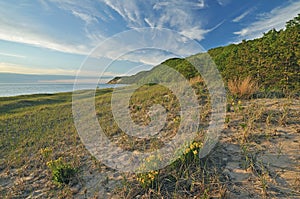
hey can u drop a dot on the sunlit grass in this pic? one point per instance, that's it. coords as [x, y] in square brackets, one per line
[38, 129]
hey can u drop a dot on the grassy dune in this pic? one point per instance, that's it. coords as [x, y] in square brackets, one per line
[257, 155]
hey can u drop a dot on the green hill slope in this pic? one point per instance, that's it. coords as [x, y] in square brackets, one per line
[272, 60]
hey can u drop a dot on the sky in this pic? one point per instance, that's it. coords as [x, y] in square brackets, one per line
[116, 36]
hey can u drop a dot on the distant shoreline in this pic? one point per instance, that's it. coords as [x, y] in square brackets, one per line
[20, 89]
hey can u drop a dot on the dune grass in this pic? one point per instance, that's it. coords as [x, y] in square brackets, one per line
[42, 156]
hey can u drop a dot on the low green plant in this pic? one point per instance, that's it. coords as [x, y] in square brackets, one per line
[147, 179]
[247, 162]
[46, 153]
[191, 152]
[62, 173]
[150, 165]
[237, 106]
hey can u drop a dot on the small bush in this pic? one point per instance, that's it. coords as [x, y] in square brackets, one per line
[62, 173]
[243, 88]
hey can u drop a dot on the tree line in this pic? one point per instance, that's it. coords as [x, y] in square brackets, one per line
[272, 60]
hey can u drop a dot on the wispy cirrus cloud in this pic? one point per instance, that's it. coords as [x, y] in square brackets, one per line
[12, 55]
[242, 16]
[88, 10]
[184, 4]
[21, 28]
[130, 11]
[24, 69]
[178, 15]
[39, 40]
[85, 17]
[277, 19]
[224, 2]
[16, 68]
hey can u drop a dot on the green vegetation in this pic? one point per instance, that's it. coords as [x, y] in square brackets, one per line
[34, 130]
[61, 172]
[273, 61]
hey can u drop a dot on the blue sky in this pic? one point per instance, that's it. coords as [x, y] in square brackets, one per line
[56, 36]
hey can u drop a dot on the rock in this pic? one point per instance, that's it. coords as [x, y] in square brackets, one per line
[75, 189]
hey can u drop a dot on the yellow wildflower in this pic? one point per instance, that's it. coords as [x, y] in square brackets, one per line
[192, 146]
[187, 150]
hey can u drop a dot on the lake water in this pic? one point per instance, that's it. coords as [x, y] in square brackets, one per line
[14, 89]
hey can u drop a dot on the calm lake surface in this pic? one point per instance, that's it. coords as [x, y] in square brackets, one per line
[14, 89]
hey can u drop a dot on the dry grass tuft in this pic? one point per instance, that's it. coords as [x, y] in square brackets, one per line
[196, 80]
[243, 88]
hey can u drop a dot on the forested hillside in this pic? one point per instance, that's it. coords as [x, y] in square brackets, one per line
[272, 60]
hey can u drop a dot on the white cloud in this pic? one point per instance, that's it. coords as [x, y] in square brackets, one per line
[198, 33]
[12, 55]
[277, 19]
[85, 17]
[86, 10]
[148, 57]
[23, 69]
[195, 33]
[12, 33]
[128, 10]
[224, 2]
[200, 4]
[242, 16]
[20, 28]
[148, 45]
[178, 15]
[149, 23]
[15, 68]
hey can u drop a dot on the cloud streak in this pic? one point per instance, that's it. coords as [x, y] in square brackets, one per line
[22, 69]
[20, 28]
[277, 19]
[178, 15]
[12, 55]
[88, 19]
[224, 2]
[242, 16]
[16, 68]
[28, 37]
